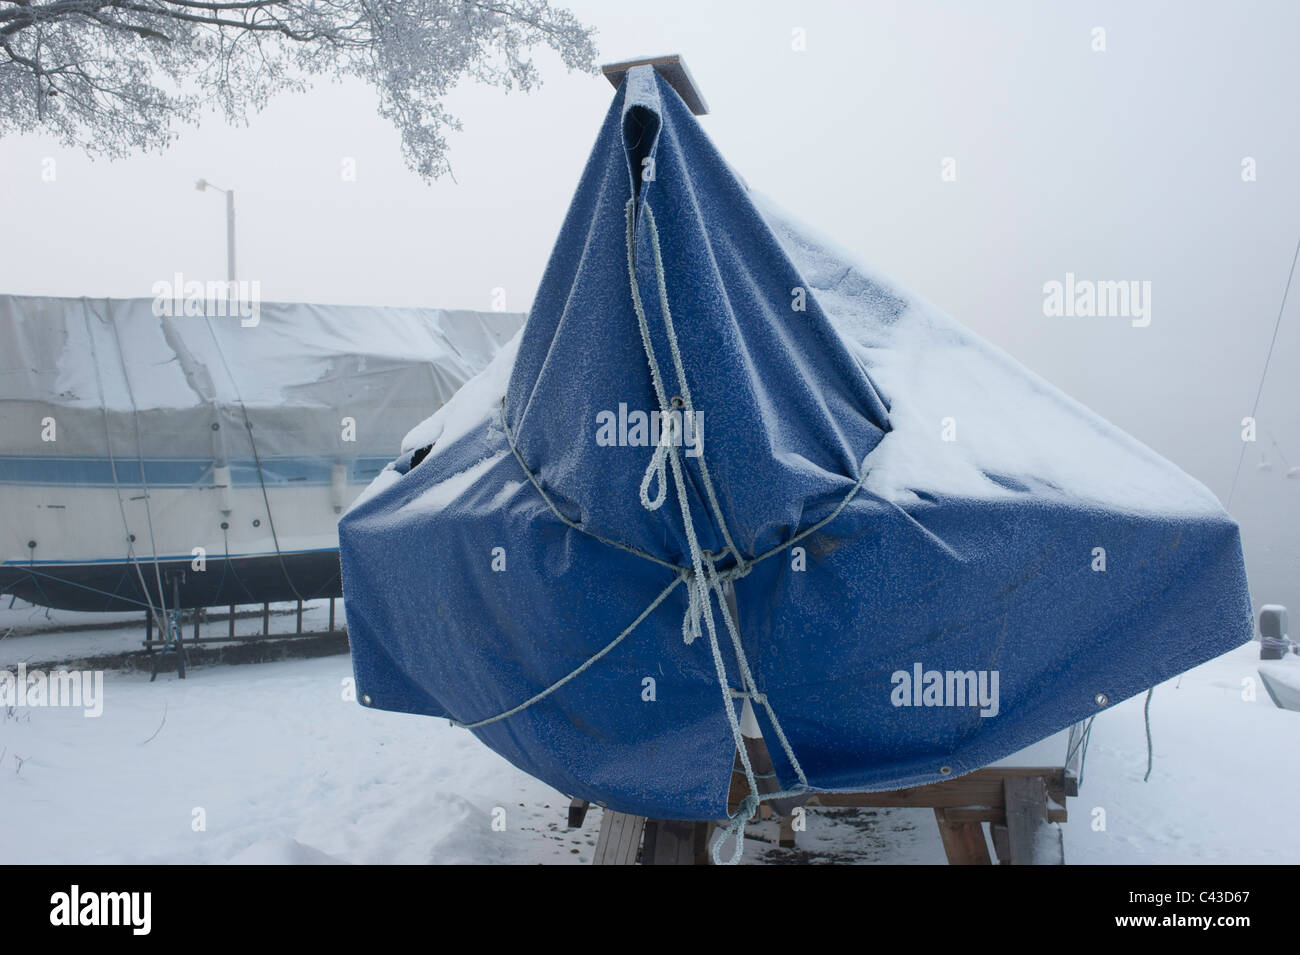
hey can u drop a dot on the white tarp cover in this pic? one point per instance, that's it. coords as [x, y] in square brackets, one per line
[91, 363]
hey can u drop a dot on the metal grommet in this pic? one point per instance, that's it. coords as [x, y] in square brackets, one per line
[216, 426]
[1101, 699]
[31, 545]
[257, 522]
[678, 401]
[945, 770]
[365, 698]
[132, 538]
[225, 525]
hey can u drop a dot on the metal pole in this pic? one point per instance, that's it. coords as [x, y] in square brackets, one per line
[179, 648]
[230, 234]
[232, 620]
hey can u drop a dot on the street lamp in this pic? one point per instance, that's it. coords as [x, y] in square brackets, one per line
[202, 185]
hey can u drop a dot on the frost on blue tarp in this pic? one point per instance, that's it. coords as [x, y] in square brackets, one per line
[972, 546]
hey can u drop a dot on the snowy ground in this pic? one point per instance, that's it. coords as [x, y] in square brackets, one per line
[282, 768]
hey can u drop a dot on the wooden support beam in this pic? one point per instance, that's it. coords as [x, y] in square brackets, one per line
[1074, 757]
[703, 837]
[980, 789]
[1031, 839]
[963, 842]
[1055, 813]
[578, 812]
[624, 839]
[668, 842]
[255, 638]
[619, 840]
[1001, 846]
[785, 839]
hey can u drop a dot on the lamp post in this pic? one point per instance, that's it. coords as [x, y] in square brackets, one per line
[203, 185]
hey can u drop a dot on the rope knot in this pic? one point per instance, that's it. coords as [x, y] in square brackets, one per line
[748, 806]
[735, 829]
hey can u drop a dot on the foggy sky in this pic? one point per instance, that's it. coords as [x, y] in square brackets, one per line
[1115, 165]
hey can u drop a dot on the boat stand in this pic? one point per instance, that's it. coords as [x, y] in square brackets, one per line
[625, 839]
[1022, 799]
[173, 640]
[1020, 805]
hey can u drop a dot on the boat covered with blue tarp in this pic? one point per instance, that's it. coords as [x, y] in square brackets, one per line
[725, 467]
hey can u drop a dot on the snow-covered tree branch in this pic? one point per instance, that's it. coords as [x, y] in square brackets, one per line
[116, 76]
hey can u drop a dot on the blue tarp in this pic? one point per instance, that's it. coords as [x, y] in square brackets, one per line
[962, 558]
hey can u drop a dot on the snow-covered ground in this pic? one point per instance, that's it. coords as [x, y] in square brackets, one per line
[281, 766]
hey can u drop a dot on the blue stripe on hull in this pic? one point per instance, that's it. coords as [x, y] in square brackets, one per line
[59, 471]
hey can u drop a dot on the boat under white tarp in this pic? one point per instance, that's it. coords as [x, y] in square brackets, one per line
[134, 445]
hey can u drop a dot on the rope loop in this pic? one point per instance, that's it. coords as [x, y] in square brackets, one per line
[656, 470]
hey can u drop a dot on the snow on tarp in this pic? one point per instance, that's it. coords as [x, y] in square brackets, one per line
[974, 556]
[296, 372]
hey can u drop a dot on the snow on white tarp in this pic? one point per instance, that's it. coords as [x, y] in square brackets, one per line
[93, 363]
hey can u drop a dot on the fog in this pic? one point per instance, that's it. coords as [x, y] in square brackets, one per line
[1117, 165]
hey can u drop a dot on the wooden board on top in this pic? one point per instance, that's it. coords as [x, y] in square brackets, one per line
[673, 69]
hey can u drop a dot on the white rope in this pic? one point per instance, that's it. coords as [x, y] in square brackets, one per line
[257, 458]
[574, 674]
[159, 614]
[655, 469]
[704, 581]
[1259, 392]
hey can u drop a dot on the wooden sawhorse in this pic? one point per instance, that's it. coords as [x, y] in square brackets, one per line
[1020, 798]
[1019, 804]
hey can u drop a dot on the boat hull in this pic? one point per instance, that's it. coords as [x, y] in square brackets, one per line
[140, 442]
[1282, 682]
[114, 586]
